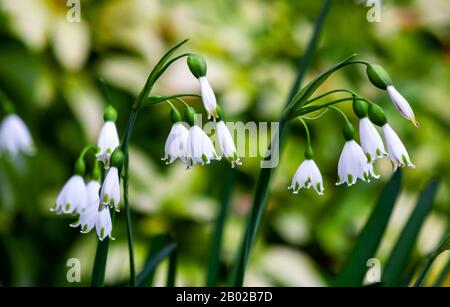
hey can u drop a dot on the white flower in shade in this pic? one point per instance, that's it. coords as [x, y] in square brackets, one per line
[110, 192]
[15, 137]
[371, 142]
[226, 144]
[199, 147]
[307, 175]
[353, 164]
[73, 196]
[176, 143]
[401, 104]
[208, 97]
[108, 141]
[103, 225]
[396, 150]
[88, 216]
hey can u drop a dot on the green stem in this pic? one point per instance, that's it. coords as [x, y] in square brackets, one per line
[340, 112]
[260, 199]
[442, 275]
[341, 90]
[128, 221]
[311, 109]
[308, 137]
[423, 274]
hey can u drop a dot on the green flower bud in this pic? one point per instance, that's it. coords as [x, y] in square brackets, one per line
[189, 114]
[197, 65]
[376, 115]
[175, 116]
[309, 153]
[378, 76]
[110, 114]
[117, 158]
[360, 108]
[80, 167]
[348, 131]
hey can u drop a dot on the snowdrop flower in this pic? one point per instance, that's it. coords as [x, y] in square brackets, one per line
[371, 141]
[110, 192]
[15, 137]
[176, 142]
[199, 147]
[197, 65]
[73, 196]
[307, 175]
[396, 150]
[103, 225]
[226, 143]
[108, 139]
[88, 216]
[401, 105]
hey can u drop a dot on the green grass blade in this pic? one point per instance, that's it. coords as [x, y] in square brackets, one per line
[398, 260]
[101, 255]
[172, 270]
[355, 267]
[442, 275]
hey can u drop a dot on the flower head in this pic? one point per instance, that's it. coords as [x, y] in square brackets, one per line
[176, 143]
[103, 225]
[110, 192]
[226, 144]
[15, 137]
[353, 164]
[73, 196]
[88, 216]
[401, 104]
[208, 97]
[108, 141]
[396, 150]
[307, 175]
[199, 148]
[371, 142]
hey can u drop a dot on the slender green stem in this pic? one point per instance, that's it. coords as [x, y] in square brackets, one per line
[340, 112]
[308, 137]
[128, 220]
[182, 101]
[420, 280]
[341, 90]
[311, 109]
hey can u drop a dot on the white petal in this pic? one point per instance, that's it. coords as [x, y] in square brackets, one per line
[396, 150]
[103, 224]
[108, 141]
[199, 149]
[15, 137]
[370, 140]
[307, 175]
[227, 144]
[73, 196]
[176, 143]
[208, 97]
[110, 192]
[353, 164]
[401, 104]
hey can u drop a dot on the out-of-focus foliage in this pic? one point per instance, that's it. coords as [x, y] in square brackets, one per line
[50, 69]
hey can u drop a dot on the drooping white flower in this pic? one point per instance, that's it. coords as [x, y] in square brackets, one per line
[89, 215]
[103, 225]
[15, 137]
[401, 104]
[108, 141]
[371, 142]
[176, 142]
[353, 164]
[226, 144]
[110, 192]
[208, 97]
[307, 175]
[199, 147]
[396, 150]
[73, 196]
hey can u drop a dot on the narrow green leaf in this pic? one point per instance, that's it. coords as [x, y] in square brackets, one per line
[172, 270]
[398, 260]
[442, 275]
[355, 267]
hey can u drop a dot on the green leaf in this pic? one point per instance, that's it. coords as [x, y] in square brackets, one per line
[398, 260]
[443, 275]
[161, 247]
[355, 267]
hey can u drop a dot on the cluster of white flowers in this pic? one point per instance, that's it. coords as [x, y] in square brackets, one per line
[15, 138]
[92, 200]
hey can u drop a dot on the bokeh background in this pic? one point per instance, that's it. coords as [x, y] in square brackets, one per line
[50, 69]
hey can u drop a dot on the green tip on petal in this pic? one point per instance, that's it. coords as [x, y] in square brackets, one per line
[350, 178]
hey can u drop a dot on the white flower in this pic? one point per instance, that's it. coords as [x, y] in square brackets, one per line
[73, 196]
[353, 164]
[15, 137]
[209, 100]
[88, 216]
[176, 143]
[307, 175]
[370, 140]
[396, 150]
[108, 140]
[110, 192]
[401, 104]
[226, 144]
[103, 225]
[199, 147]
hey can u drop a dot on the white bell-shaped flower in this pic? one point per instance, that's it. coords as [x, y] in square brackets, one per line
[103, 225]
[88, 216]
[15, 137]
[353, 164]
[199, 148]
[176, 143]
[396, 150]
[108, 141]
[208, 97]
[371, 142]
[401, 104]
[307, 175]
[110, 192]
[226, 143]
[73, 196]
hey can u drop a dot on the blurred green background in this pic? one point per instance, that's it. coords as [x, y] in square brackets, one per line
[50, 69]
